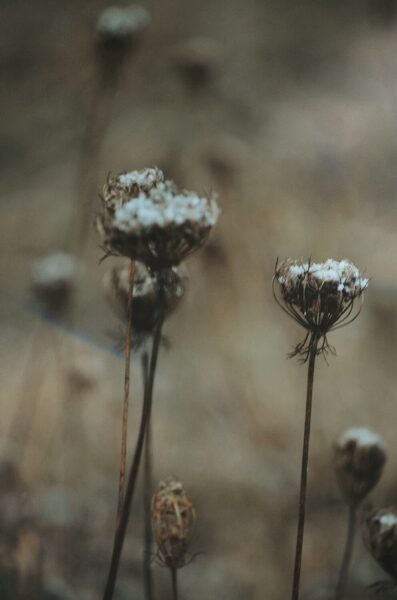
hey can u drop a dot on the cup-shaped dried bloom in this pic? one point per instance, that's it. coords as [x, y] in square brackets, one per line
[359, 459]
[119, 27]
[53, 279]
[147, 218]
[319, 296]
[380, 537]
[173, 518]
[153, 296]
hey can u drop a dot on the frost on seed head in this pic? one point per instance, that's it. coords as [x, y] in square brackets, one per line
[359, 460]
[53, 279]
[121, 23]
[319, 296]
[149, 219]
[380, 537]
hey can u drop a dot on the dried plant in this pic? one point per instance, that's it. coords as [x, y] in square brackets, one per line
[173, 518]
[53, 281]
[321, 298]
[380, 537]
[358, 460]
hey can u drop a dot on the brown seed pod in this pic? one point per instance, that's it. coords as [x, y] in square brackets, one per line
[380, 537]
[359, 459]
[173, 518]
[151, 297]
[148, 219]
[53, 280]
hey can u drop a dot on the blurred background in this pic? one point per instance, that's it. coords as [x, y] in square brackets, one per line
[288, 111]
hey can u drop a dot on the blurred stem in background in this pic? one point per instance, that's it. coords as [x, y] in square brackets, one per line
[305, 459]
[347, 554]
[174, 577]
[147, 496]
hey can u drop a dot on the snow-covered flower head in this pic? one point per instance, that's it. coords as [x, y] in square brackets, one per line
[319, 296]
[147, 218]
[53, 278]
[173, 518]
[359, 459]
[120, 25]
[152, 299]
[380, 537]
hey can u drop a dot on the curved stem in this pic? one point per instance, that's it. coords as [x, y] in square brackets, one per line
[124, 427]
[147, 494]
[125, 515]
[347, 554]
[174, 584]
[304, 468]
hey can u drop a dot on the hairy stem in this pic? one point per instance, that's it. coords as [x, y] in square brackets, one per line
[125, 515]
[127, 368]
[174, 579]
[347, 554]
[147, 495]
[304, 468]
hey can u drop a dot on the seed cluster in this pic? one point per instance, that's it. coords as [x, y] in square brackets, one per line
[380, 536]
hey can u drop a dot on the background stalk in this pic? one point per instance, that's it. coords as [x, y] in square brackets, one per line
[304, 468]
[125, 514]
[174, 578]
[147, 495]
[124, 428]
[347, 554]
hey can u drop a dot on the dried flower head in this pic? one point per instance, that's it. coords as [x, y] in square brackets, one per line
[147, 218]
[196, 60]
[152, 296]
[380, 537]
[173, 518]
[359, 459]
[119, 27]
[319, 296]
[53, 279]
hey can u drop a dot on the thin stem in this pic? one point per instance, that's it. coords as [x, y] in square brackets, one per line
[174, 578]
[347, 554]
[147, 494]
[125, 515]
[124, 427]
[304, 469]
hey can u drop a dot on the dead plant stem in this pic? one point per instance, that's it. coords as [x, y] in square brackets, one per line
[347, 554]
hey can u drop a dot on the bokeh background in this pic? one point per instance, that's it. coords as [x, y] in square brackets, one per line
[294, 126]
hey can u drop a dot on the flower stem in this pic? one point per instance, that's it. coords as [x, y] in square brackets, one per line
[147, 494]
[347, 554]
[304, 468]
[127, 368]
[129, 494]
[174, 578]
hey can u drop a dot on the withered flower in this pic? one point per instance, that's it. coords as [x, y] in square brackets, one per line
[359, 459]
[151, 298]
[320, 297]
[53, 279]
[380, 537]
[119, 27]
[147, 218]
[173, 518]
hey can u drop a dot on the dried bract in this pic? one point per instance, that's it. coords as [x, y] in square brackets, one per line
[53, 279]
[319, 296]
[153, 296]
[147, 218]
[359, 459]
[119, 27]
[173, 518]
[380, 537]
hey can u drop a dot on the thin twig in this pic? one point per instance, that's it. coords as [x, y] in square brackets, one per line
[174, 578]
[146, 411]
[147, 494]
[305, 460]
[124, 428]
[347, 554]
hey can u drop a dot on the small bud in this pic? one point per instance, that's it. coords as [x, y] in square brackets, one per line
[358, 460]
[380, 537]
[173, 518]
[53, 280]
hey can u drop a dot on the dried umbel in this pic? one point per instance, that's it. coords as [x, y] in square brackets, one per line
[147, 218]
[153, 295]
[53, 279]
[173, 518]
[380, 537]
[319, 296]
[359, 459]
[118, 27]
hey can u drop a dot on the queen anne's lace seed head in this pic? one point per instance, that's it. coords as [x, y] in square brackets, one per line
[149, 219]
[152, 299]
[173, 518]
[359, 459]
[380, 537]
[319, 296]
